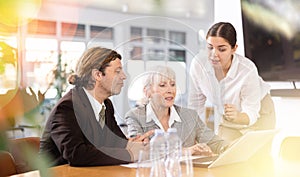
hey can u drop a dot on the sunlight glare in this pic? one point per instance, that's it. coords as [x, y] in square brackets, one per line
[17, 13]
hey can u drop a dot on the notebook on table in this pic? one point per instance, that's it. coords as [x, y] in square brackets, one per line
[244, 148]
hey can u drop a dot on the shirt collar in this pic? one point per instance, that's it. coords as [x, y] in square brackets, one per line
[150, 115]
[234, 67]
[95, 104]
[232, 71]
[174, 115]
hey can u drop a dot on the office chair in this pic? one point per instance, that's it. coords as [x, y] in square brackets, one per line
[7, 164]
[25, 152]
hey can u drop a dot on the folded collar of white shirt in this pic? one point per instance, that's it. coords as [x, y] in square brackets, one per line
[150, 115]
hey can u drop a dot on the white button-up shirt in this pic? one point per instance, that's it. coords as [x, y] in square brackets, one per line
[151, 116]
[95, 104]
[242, 87]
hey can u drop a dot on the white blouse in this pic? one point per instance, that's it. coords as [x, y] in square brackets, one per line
[151, 116]
[242, 87]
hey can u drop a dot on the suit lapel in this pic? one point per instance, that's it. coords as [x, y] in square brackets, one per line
[180, 126]
[85, 117]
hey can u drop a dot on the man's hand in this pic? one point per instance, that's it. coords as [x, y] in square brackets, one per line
[140, 142]
[142, 138]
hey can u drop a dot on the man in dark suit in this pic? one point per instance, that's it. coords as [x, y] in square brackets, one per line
[73, 134]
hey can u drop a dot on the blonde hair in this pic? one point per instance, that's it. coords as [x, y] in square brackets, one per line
[154, 75]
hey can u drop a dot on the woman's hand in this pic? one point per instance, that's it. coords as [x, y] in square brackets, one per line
[231, 113]
[201, 149]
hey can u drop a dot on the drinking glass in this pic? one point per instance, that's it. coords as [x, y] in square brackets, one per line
[143, 164]
[186, 164]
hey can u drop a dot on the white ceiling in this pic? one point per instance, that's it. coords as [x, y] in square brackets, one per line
[175, 8]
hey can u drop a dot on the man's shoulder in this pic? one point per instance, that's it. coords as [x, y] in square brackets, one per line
[65, 99]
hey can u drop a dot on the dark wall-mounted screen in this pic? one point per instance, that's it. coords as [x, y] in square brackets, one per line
[272, 38]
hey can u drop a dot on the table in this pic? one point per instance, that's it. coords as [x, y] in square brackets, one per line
[262, 164]
[263, 167]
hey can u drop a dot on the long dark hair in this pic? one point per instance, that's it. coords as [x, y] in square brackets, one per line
[224, 30]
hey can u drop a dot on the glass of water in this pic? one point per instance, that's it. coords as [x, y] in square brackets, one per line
[143, 164]
[186, 164]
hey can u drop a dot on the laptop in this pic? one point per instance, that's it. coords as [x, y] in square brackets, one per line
[240, 151]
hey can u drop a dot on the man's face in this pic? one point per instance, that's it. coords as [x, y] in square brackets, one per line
[112, 82]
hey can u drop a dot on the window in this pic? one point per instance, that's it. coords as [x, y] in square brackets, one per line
[135, 89]
[157, 46]
[176, 55]
[156, 54]
[155, 36]
[70, 53]
[46, 49]
[136, 53]
[177, 37]
[40, 60]
[41, 50]
[72, 29]
[101, 32]
[42, 27]
[136, 34]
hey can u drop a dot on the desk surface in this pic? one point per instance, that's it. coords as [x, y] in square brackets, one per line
[261, 168]
[260, 165]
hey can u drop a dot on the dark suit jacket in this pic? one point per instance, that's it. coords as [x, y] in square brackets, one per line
[73, 135]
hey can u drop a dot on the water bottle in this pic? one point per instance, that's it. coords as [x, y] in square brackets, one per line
[174, 147]
[158, 154]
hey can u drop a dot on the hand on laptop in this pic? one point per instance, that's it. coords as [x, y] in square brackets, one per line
[201, 149]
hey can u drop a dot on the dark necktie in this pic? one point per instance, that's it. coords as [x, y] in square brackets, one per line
[102, 117]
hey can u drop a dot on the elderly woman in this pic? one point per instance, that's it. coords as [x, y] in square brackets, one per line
[160, 112]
